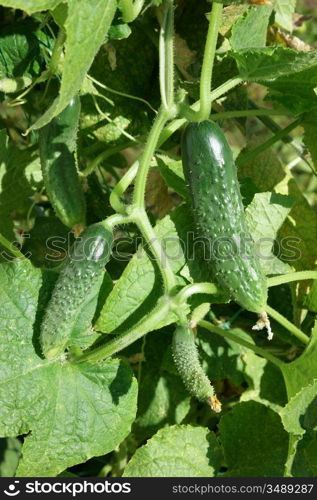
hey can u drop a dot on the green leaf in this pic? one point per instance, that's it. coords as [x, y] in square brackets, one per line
[20, 50]
[191, 452]
[302, 371]
[300, 413]
[299, 231]
[70, 413]
[279, 68]
[265, 382]
[20, 173]
[265, 215]
[140, 282]
[298, 234]
[305, 460]
[250, 30]
[60, 14]
[225, 359]
[299, 418]
[82, 43]
[172, 173]
[221, 358]
[30, 6]
[10, 453]
[284, 11]
[265, 170]
[163, 400]
[254, 441]
[99, 397]
[230, 15]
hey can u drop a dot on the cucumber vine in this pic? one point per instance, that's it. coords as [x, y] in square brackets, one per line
[166, 123]
[171, 116]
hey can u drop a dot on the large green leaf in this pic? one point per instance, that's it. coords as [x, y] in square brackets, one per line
[265, 215]
[300, 413]
[70, 412]
[286, 70]
[86, 27]
[302, 371]
[298, 234]
[254, 441]
[191, 452]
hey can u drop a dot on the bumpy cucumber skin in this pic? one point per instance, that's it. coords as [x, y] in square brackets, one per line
[57, 143]
[186, 359]
[80, 276]
[211, 174]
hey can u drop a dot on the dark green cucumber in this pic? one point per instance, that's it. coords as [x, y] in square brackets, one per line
[211, 174]
[186, 359]
[82, 273]
[57, 142]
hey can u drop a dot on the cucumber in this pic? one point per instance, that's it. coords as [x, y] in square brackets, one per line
[82, 273]
[57, 144]
[186, 359]
[211, 175]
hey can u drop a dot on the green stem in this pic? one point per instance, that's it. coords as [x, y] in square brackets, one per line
[267, 144]
[166, 46]
[190, 290]
[140, 218]
[11, 248]
[120, 188]
[125, 339]
[140, 183]
[175, 125]
[116, 220]
[208, 60]
[235, 338]
[225, 115]
[287, 278]
[288, 325]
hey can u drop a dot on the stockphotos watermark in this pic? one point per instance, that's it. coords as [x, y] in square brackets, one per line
[57, 248]
[61, 487]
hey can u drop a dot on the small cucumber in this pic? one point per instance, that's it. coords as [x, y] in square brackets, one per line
[82, 273]
[57, 143]
[186, 359]
[211, 174]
